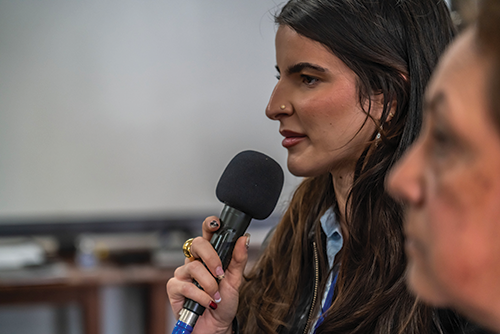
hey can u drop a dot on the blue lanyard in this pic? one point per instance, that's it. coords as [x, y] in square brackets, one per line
[328, 302]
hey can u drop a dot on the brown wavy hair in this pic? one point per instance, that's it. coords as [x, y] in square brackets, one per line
[392, 46]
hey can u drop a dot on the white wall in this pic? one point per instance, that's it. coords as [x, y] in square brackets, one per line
[130, 107]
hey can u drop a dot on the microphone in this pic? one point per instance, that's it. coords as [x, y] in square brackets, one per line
[249, 187]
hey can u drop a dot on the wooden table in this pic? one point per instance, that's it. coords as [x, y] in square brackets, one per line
[82, 286]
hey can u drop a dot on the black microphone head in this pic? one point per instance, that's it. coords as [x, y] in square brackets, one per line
[251, 183]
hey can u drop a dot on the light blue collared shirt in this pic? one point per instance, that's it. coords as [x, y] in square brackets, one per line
[334, 241]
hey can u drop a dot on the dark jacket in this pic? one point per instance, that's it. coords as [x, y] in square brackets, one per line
[450, 321]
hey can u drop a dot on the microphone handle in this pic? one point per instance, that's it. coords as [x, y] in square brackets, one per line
[233, 223]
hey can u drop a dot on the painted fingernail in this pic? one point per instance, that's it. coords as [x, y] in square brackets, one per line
[212, 305]
[214, 224]
[219, 272]
[247, 243]
[217, 297]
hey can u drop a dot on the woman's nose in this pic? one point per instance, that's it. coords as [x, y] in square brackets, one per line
[278, 106]
[405, 181]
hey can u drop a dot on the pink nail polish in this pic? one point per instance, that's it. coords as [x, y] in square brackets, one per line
[217, 297]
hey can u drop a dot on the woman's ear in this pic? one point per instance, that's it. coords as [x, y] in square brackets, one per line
[392, 111]
[378, 108]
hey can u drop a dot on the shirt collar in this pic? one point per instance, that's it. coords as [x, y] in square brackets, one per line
[329, 224]
[331, 228]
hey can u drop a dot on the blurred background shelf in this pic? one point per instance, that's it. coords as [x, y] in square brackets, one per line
[81, 286]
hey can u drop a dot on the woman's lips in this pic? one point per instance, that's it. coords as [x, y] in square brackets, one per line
[291, 138]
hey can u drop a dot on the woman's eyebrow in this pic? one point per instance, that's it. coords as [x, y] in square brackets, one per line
[432, 105]
[297, 68]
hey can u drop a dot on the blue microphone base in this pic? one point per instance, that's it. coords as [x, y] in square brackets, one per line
[186, 322]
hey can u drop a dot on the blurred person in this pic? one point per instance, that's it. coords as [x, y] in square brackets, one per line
[351, 78]
[450, 179]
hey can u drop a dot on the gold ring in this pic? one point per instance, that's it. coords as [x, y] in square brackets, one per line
[186, 248]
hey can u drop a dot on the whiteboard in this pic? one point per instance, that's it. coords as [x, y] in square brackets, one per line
[125, 107]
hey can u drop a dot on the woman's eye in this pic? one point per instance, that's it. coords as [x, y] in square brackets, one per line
[442, 143]
[308, 80]
[278, 76]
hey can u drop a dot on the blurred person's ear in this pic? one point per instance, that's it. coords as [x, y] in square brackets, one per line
[463, 12]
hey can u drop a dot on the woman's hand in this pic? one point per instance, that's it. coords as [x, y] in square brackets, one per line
[220, 300]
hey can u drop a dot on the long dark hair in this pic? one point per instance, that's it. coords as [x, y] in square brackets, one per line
[392, 46]
[488, 36]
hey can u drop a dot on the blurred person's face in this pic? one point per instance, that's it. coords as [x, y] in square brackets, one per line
[450, 181]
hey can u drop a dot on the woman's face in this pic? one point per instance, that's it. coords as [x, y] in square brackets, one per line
[450, 180]
[322, 121]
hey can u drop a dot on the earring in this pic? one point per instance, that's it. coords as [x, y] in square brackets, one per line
[377, 139]
[378, 136]
[282, 107]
